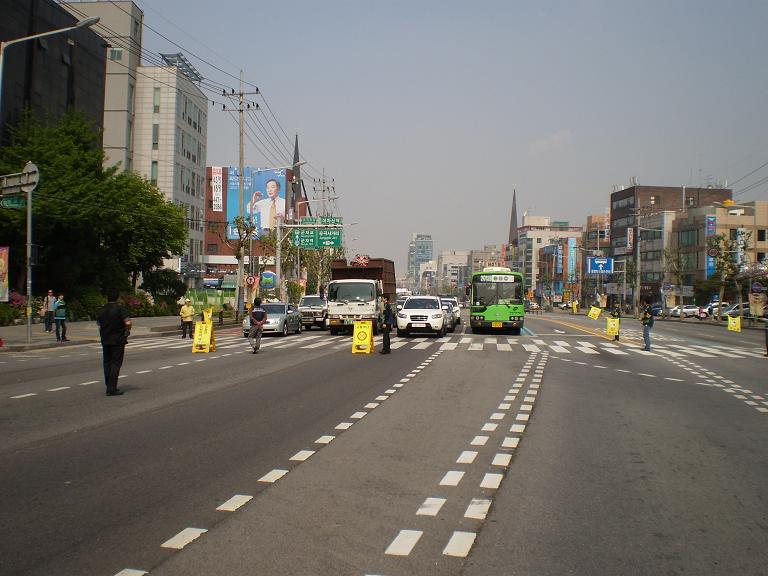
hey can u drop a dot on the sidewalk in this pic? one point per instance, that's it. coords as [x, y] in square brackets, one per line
[15, 337]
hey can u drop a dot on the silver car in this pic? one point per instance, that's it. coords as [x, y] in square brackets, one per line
[282, 318]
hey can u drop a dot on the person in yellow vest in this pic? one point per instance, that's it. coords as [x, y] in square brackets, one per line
[187, 314]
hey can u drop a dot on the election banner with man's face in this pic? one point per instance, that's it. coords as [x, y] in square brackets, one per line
[263, 201]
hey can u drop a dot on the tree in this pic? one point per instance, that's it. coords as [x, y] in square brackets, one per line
[675, 264]
[726, 267]
[164, 284]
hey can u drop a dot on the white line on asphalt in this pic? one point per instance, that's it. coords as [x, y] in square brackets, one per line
[526, 407]
[452, 478]
[531, 348]
[344, 426]
[479, 441]
[465, 340]
[646, 375]
[523, 417]
[143, 371]
[449, 346]
[503, 347]
[430, 507]
[510, 442]
[390, 391]
[466, 457]
[497, 416]
[183, 538]
[164, 367]
[273, 476]
[400, 385]
[519, 428]
[358, 415]
[504, 406]
[509, 398]
[621, 370]
[301, 455]
[234, 503]
[674, 379]
[381, 398]
[423, 345]
[371, 405]
[478, 508]
[23, 395]
[403, 543]
[182, 363]
[131, 572]
[503, 460]
[491, 480]
[460, 544]
[489, 427]
[58, 389]
[530, 398]
[586, 350]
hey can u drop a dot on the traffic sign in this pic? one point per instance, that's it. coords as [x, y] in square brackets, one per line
[24, 181]
[14, 202]
[599, 265]
[308, 220]
[250, 280]
[305, 238]
[330, 220]
[328, 238]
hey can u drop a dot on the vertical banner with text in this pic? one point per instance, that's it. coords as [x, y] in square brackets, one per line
[4, 250]
[217, 189]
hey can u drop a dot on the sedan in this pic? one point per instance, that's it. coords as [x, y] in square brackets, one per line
[687, 311]
[281, 319]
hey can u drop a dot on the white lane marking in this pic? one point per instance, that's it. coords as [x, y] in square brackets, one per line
[523, 417]
[510, 398]
[185, 363]
[466, 457]
[562, 343]
[646, 375]
[24, 395]
[497, 416]
[143, 371]
[476, 346]
[403, 380]
[478, 508]
[531, 348]
[449, 346]
[617, 352]
[423, 345]
[89, 383]
[131, 572]
[465, 340]
[490, 340]
[674, 379]
[504, 406]
[400, 385]
[621, 370]
[410, 375]
[58, 389]
[183, 538]
[479, 441]
[318, 344]
[343, 425]
[608, 345]
[502, 460]
[390, 391]
[122, 376]
[491, 480]
[430, 507]
[489, 427]
[301, 455]
[359, 415]
[371, 405]
[234, 503]
[534, 386]
[503, 347]
[452, 478]
[761, 409]
[398, 344]
[586, 350]
[519, 428]
[530, 398]
[325, 439]
[403, 543]
[585, 344]
[510, 442]
[273, 476]
[381, 398]
[164, 367]
[540, 342]
[526, 407]
[460, 544]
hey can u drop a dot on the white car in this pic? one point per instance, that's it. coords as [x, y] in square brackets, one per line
[688, 310]
[422, 314]
[457, 309]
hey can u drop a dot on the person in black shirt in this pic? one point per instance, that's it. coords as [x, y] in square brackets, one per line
[114, 327]
[389, 319]
[258, 318]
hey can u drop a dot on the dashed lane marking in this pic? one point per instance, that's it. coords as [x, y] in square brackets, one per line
[430, 507]
[234, 503]
[478, 508]
[452, 478]
[183, 538]
[403, 543]
[460, 544]
[273, 476]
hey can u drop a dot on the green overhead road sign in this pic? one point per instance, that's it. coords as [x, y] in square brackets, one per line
[308, 220]
[330, 220]
[305, 238]
[328, 238]
[14, 202]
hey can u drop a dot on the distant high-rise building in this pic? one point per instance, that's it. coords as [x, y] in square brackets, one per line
[420, 250]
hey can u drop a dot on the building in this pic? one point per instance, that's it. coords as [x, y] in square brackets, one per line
[170, 148]
[420, 250]
[452, 271]
[559, 271]
[53, 74]
[121, 24]
[428, 283]
[595, 242]
[490, 255]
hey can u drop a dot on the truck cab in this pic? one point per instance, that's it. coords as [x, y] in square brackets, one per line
[350, 300]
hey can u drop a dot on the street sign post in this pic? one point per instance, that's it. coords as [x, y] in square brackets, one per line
[599, 265]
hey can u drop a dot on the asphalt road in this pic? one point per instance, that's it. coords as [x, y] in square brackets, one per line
[556, 452]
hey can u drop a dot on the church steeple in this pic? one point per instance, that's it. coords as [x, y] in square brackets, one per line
[513, 221]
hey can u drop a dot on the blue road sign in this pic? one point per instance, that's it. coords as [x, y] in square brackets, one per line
[599, 265]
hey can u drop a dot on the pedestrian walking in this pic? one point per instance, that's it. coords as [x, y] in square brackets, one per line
[647, 319]
[60, 318]
[386, 327]
[187, 314]
[617, 315]
[48, 303]
[258, 317]
[114, 328]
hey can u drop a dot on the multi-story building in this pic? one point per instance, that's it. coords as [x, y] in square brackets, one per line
[452, 270]
[428, 283]
[559, 272]
[535, 233]
[53, 74]
[595, 242]
[420, 250]
[121, 24]
[170, 147]
[490, 255]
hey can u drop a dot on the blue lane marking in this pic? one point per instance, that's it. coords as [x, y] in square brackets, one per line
[527, 332]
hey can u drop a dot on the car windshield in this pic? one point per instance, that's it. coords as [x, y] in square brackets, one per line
[421, 304]
[312, 301]
[349, 292]
[274, 308]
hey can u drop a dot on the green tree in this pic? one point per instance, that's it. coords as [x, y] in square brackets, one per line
[164, 284]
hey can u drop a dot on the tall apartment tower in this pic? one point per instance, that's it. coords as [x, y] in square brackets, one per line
[170, 147]
[121, 26]
[420, 250]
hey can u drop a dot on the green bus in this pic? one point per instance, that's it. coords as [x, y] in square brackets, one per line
[497, 301]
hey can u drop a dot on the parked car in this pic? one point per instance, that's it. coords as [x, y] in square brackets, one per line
[687, 311]
[421, 314]
[736, 311]
[282, 318]
[314, 311]
[455, 301]
[715, 308]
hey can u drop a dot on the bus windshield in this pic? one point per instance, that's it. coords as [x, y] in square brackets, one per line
[490, 293]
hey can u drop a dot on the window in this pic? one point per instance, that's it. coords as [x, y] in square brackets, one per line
[624, 202]
[650, 234]
[689, 260]
[761, 257]
[155, 136]
[652, 255]
[538, 240]
[156, 99]
[153, 173]
[136, 28]
[688, 238]
[761, 235]
[732, 233]
[116, 54]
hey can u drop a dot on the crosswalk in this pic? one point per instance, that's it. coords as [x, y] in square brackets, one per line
[463, 342]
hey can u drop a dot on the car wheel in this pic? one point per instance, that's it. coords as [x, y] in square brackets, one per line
[309, 327]
[285, 329]
[401, 333]
[298, 328]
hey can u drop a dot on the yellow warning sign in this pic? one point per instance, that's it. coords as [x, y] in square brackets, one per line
[734, 323]
[612, 326]
[205, 339]
[594, 312]
[362, 337]
[575, 306]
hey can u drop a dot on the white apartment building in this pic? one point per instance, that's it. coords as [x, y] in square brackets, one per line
[452, 270]
[535, 233]
[170, 136]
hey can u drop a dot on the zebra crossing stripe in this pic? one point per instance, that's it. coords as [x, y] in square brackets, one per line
[531, 348]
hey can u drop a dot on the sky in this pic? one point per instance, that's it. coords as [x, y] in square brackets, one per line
[427, 114]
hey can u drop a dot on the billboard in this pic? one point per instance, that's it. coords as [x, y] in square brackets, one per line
[264, 199]
[710, 230]
[217, 189]
[4, 273]
[572, 260]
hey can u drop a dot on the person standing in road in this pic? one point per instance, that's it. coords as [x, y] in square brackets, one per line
[114, 328]
[647, 319]
[258, 317]
[187, 314]
[60, 318]
[48, 303]
[386, 328]
[616, 313]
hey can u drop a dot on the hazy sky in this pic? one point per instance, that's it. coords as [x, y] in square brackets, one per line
[429, 113]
